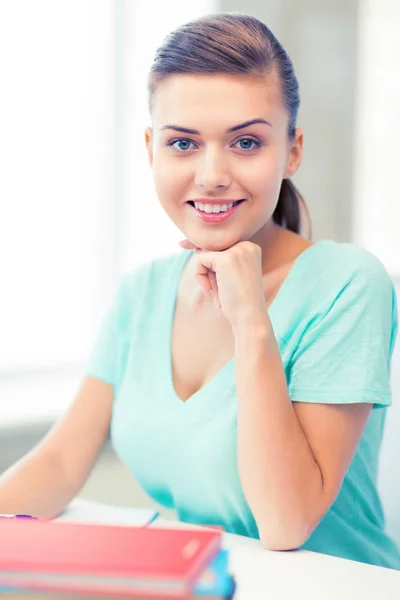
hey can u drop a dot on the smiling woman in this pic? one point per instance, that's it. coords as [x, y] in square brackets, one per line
[209, 209]
[271, 444]
[251, 57]
[226, 158]
[258, 407]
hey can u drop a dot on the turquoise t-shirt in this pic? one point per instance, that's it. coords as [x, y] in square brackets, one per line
[335, 321]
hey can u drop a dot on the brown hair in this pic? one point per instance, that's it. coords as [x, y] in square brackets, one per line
[235, 44]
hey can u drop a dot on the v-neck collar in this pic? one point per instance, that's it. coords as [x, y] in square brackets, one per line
[227, 371]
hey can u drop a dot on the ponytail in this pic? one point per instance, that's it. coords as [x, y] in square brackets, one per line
[291, 209]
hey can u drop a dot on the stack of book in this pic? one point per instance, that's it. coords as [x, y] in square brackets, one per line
[46, 560]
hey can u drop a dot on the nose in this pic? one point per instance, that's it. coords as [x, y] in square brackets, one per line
[211, 172]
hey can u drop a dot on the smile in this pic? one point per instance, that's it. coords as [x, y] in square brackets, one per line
[215, 213]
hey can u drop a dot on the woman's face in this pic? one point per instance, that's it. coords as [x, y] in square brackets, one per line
[204, 148]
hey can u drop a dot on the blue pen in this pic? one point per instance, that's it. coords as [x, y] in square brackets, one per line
[17, 517]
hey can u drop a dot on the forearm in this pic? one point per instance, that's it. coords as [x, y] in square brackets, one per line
[36, 485]
[281, 480]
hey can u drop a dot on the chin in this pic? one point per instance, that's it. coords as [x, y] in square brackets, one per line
[218, 246]
[214, 238]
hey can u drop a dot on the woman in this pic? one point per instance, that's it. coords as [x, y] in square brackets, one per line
[245, 380]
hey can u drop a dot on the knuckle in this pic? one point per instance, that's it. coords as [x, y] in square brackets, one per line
[251, 248]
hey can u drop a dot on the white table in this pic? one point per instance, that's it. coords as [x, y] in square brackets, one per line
[302, 575]
[305, 575]
[264, 575]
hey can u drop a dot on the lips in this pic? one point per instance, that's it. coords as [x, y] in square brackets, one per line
[204, 202]
[216, 217]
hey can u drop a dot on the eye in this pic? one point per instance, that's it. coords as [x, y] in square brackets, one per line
[182, 144]
[248, 143]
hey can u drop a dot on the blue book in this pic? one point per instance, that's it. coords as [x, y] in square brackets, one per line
[216, 581]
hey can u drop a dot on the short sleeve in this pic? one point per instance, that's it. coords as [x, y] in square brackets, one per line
[344, 354]
[110, 348]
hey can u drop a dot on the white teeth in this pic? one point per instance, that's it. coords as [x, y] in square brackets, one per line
[210, 208]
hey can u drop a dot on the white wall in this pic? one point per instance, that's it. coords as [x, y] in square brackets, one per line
[321, 39]
[376, 178]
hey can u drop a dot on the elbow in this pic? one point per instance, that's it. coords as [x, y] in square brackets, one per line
[288, 532]
[280, 545]
[284, 541]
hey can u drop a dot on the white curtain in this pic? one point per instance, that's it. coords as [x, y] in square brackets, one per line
[77, 206]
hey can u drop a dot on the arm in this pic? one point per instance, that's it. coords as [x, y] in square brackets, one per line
[44, 481]
[292, 458]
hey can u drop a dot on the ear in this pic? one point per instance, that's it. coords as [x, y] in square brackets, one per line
[295, 154]
[148, 134]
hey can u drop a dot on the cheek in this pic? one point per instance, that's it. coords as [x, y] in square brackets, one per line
[262, 176]
[170, 178]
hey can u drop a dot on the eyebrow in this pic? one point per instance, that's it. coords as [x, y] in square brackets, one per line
[230, 130]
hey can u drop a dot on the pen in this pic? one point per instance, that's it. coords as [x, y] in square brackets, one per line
[17, 517]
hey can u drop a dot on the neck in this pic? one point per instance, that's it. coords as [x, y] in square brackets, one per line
[270, 238]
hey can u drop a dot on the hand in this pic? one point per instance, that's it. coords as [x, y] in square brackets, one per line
[234, 277]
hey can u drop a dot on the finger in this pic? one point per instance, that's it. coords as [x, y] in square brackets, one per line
[214, 287]
[202, 275]
[204, 282]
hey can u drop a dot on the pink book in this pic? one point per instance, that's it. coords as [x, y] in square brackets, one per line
[104, 559]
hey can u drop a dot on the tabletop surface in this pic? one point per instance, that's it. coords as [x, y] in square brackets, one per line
[293, 575]
[302, 575]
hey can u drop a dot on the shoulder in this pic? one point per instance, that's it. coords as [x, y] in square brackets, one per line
[144, 285]
[151, 272]
[139, 287]
[348, 259]
[336, 269]
[339, 287]
[343, 326]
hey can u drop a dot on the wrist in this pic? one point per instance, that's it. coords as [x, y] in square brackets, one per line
[252, 328]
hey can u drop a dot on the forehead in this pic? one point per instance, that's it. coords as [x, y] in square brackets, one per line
[193, 99]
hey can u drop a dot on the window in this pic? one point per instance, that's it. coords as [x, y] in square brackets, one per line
[75, 187]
